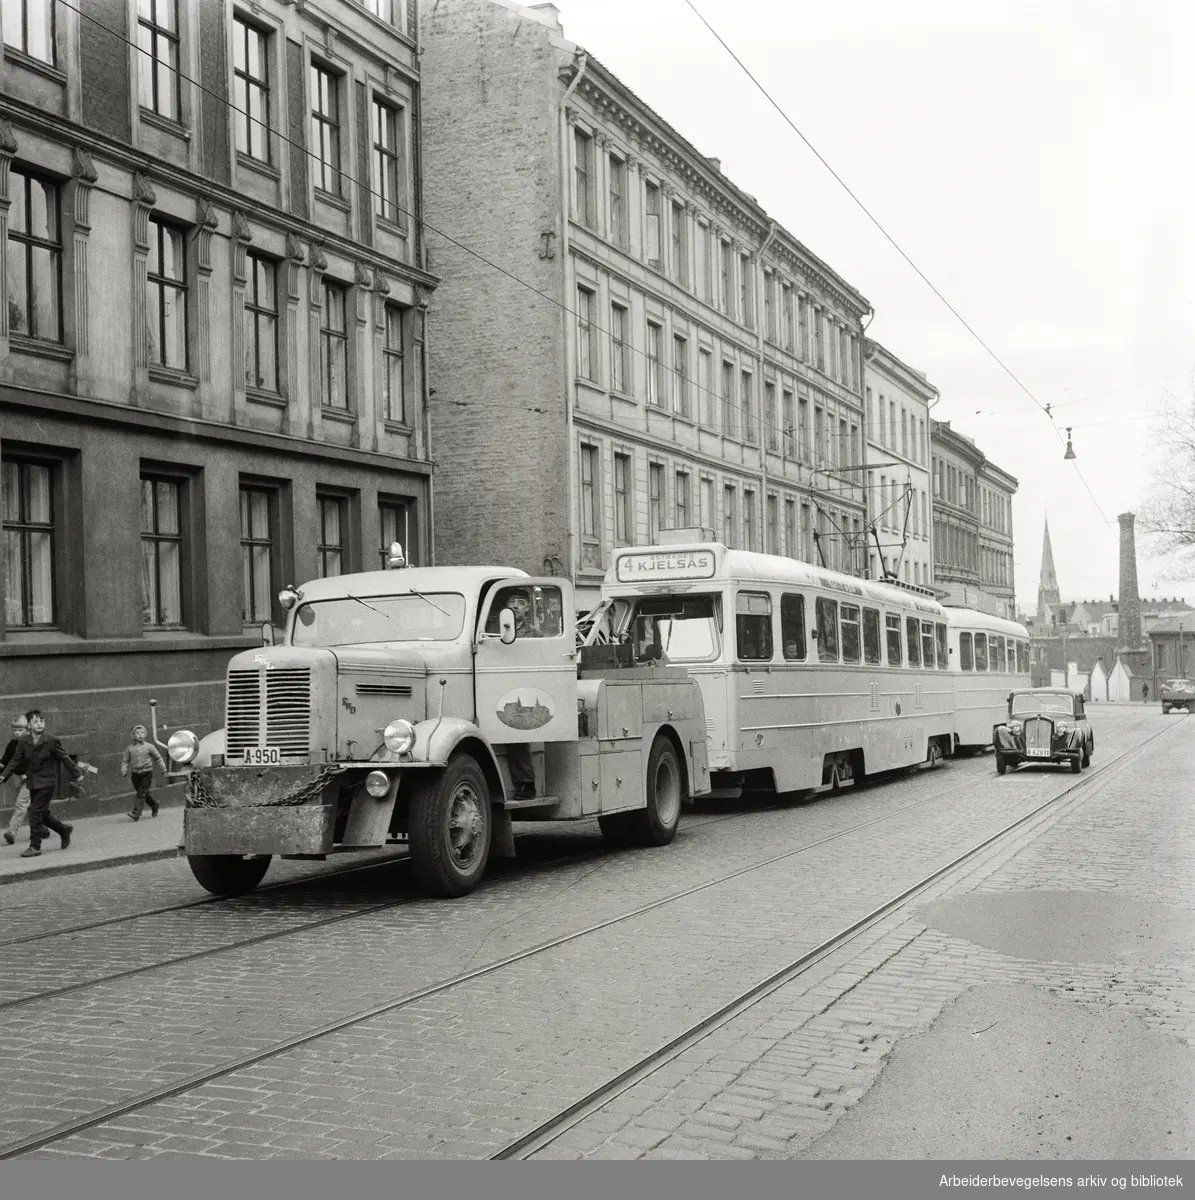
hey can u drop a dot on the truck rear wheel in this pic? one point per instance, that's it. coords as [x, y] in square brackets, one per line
[228, 874]
[655, 824]
[450, 828]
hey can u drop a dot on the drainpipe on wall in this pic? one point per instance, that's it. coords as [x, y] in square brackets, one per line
[570, 374]
[929, 462]
[425, 388]
[864, 431]
[759, 335]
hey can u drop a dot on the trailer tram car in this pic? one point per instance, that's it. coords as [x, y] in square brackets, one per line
[989, 657]
[809, 678]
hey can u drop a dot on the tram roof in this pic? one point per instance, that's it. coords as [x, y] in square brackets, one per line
[654, 568]
[972, 618]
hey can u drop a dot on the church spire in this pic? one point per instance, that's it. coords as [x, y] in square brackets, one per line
[1048, 596]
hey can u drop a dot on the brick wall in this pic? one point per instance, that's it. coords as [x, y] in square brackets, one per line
[213, 22]
[496, 355]
[104, 65]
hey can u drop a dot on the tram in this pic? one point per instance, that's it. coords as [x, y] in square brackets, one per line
[808, 677]
[989, 657]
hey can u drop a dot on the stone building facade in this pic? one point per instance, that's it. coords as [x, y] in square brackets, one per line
[644, 348]
[211, 377]
[996, 488]
[897, 401]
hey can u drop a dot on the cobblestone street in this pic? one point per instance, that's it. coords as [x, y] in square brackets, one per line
[629, 950]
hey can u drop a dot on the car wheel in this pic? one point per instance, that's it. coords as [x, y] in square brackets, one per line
[1086, 755]
[1001, 763]
[1165, 709]
[1076, 764]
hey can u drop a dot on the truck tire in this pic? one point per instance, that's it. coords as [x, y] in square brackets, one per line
[655, 824]
[228, 874]
[616, 829]
[1001, 763]
[450, 828]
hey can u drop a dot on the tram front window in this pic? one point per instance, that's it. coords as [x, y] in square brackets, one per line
[674, 629]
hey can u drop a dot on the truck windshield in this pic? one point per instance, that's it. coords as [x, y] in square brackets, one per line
[352, 620]
[678, 628]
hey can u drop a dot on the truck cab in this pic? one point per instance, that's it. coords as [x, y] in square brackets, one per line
[391, 712]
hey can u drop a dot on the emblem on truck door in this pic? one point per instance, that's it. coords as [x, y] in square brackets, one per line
[525, 708]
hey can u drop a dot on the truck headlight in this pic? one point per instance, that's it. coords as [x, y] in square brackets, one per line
[182, 747]
[377, 784]
[399, 736]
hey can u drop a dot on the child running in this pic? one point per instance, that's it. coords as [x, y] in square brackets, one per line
[139, 760]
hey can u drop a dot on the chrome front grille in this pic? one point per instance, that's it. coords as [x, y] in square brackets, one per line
[282, 721]
[1038, 733]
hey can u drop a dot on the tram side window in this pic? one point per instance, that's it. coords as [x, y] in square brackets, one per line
[1022, 658]
[996, 647]
[827, 629]
[892, 628]
[981, 651]
[753, 626]
[927, 644]
[913, 629]
[943, 652]
[792, 626]
[966, 661]
[850, 633]
[871, 635]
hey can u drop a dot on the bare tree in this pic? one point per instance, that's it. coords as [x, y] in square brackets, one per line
[1168, 514]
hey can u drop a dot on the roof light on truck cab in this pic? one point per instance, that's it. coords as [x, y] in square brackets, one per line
[289, 596]
[183, 746]
[399, 736]
[394, 558]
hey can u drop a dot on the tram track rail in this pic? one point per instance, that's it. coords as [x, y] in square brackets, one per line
[528, 1144]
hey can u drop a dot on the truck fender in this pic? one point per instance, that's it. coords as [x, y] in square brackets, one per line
[436, 741]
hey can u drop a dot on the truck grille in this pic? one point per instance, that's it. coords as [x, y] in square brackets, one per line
[283, 721]
[1038, 732]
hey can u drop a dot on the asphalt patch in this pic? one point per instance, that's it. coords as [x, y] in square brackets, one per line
[1079, 927]
[1012, 1072]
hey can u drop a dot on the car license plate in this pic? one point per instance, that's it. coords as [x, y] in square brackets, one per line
[262, 756]
[1038, 753]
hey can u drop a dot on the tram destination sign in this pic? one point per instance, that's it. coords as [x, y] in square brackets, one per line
[665, 564]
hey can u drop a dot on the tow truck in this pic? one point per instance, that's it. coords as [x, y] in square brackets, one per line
[390, 709]
[1178, 693]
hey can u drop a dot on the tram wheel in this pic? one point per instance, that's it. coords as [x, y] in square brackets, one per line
[228, 874]
[450, 828]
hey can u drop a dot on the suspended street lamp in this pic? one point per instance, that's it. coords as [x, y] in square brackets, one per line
[1070, 450]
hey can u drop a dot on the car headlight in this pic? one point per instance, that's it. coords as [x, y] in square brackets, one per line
[399, 736]
[377, 784]
[182, 747]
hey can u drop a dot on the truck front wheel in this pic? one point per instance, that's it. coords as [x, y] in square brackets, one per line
[450, 829]
[228, 874]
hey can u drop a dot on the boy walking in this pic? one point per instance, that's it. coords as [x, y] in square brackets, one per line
[140, 758]
[37, 758]
[20, 728]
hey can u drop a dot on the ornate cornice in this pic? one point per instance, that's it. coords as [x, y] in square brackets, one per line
[143, 190]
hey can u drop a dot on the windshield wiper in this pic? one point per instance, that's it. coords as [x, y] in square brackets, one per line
[434, 605]
[369, 606]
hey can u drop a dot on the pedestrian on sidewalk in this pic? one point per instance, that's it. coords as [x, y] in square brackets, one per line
[20, 808]
[37, 758]
[1145, 693]
[140, 758]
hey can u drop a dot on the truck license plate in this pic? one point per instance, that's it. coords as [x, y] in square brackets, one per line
[1038, 753]
[262, 756]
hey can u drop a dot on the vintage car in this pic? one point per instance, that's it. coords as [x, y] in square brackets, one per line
[1178, 693]
[1045, 725]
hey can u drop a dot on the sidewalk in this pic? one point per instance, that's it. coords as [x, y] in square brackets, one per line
[106, 841]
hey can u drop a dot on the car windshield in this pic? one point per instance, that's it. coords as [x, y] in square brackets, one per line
[352, 620]
[1054, 703]
[684, 628]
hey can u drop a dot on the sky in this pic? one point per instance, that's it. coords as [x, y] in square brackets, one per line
[1036, 161]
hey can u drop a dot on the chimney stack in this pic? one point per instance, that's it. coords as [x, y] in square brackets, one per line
[1130, 601]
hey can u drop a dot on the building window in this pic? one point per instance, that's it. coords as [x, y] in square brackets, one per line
[786, 314]
[618, 201]
[157, 39]
[704, 260]
[746, 307]
[166, 295]
[29, 27]
[748, 406]
[587, 354]
[769, 307]
[769, 416]
[251, 90]
[773, 527]
[387, 178]
[394, 525]
[682, 498]
[161, 554]
[583, 144]
[390, 11]
[788, 418]
[29, 534]
[330, 547]
[727, 276]
[261, 324]
[34, 257]
[590, 545]
[819, 340]
[749, 520]
[707, 398]
[258, 538]
[728, 422]
[680, 375]
[790, 528]
[680, 270]
[707, 516]
[394, 398]
[730, 515]
[652, 209]
[623, 523]
[655, 505]
[655, 368]
[620, 367]
[803, 320]
[325, 129]
[334, 340]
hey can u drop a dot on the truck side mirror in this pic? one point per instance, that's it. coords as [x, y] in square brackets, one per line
[267, 634]
[506, 627]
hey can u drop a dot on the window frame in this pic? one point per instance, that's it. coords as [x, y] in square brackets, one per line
[966, 652]
[913, 641]
[51, 10]
[617, 200]
[332, 502]
[872, 650]
[396, 506]
[620, 365]
[149, 57]
[155, 536]
[655, 500]
[766, 648]
[624, 525]
[181, 286]
[30, 243]
[894, 627]
[253, 85]
[25, 530]
[800, 641]
[325, 152]
[330, 338]
[386, 119]
[256, 311]
[850, 624]
[251, 539]
[826, 610]
[394, 362]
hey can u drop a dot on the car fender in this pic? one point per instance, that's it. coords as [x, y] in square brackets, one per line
[437, 740]
[1002, 739]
